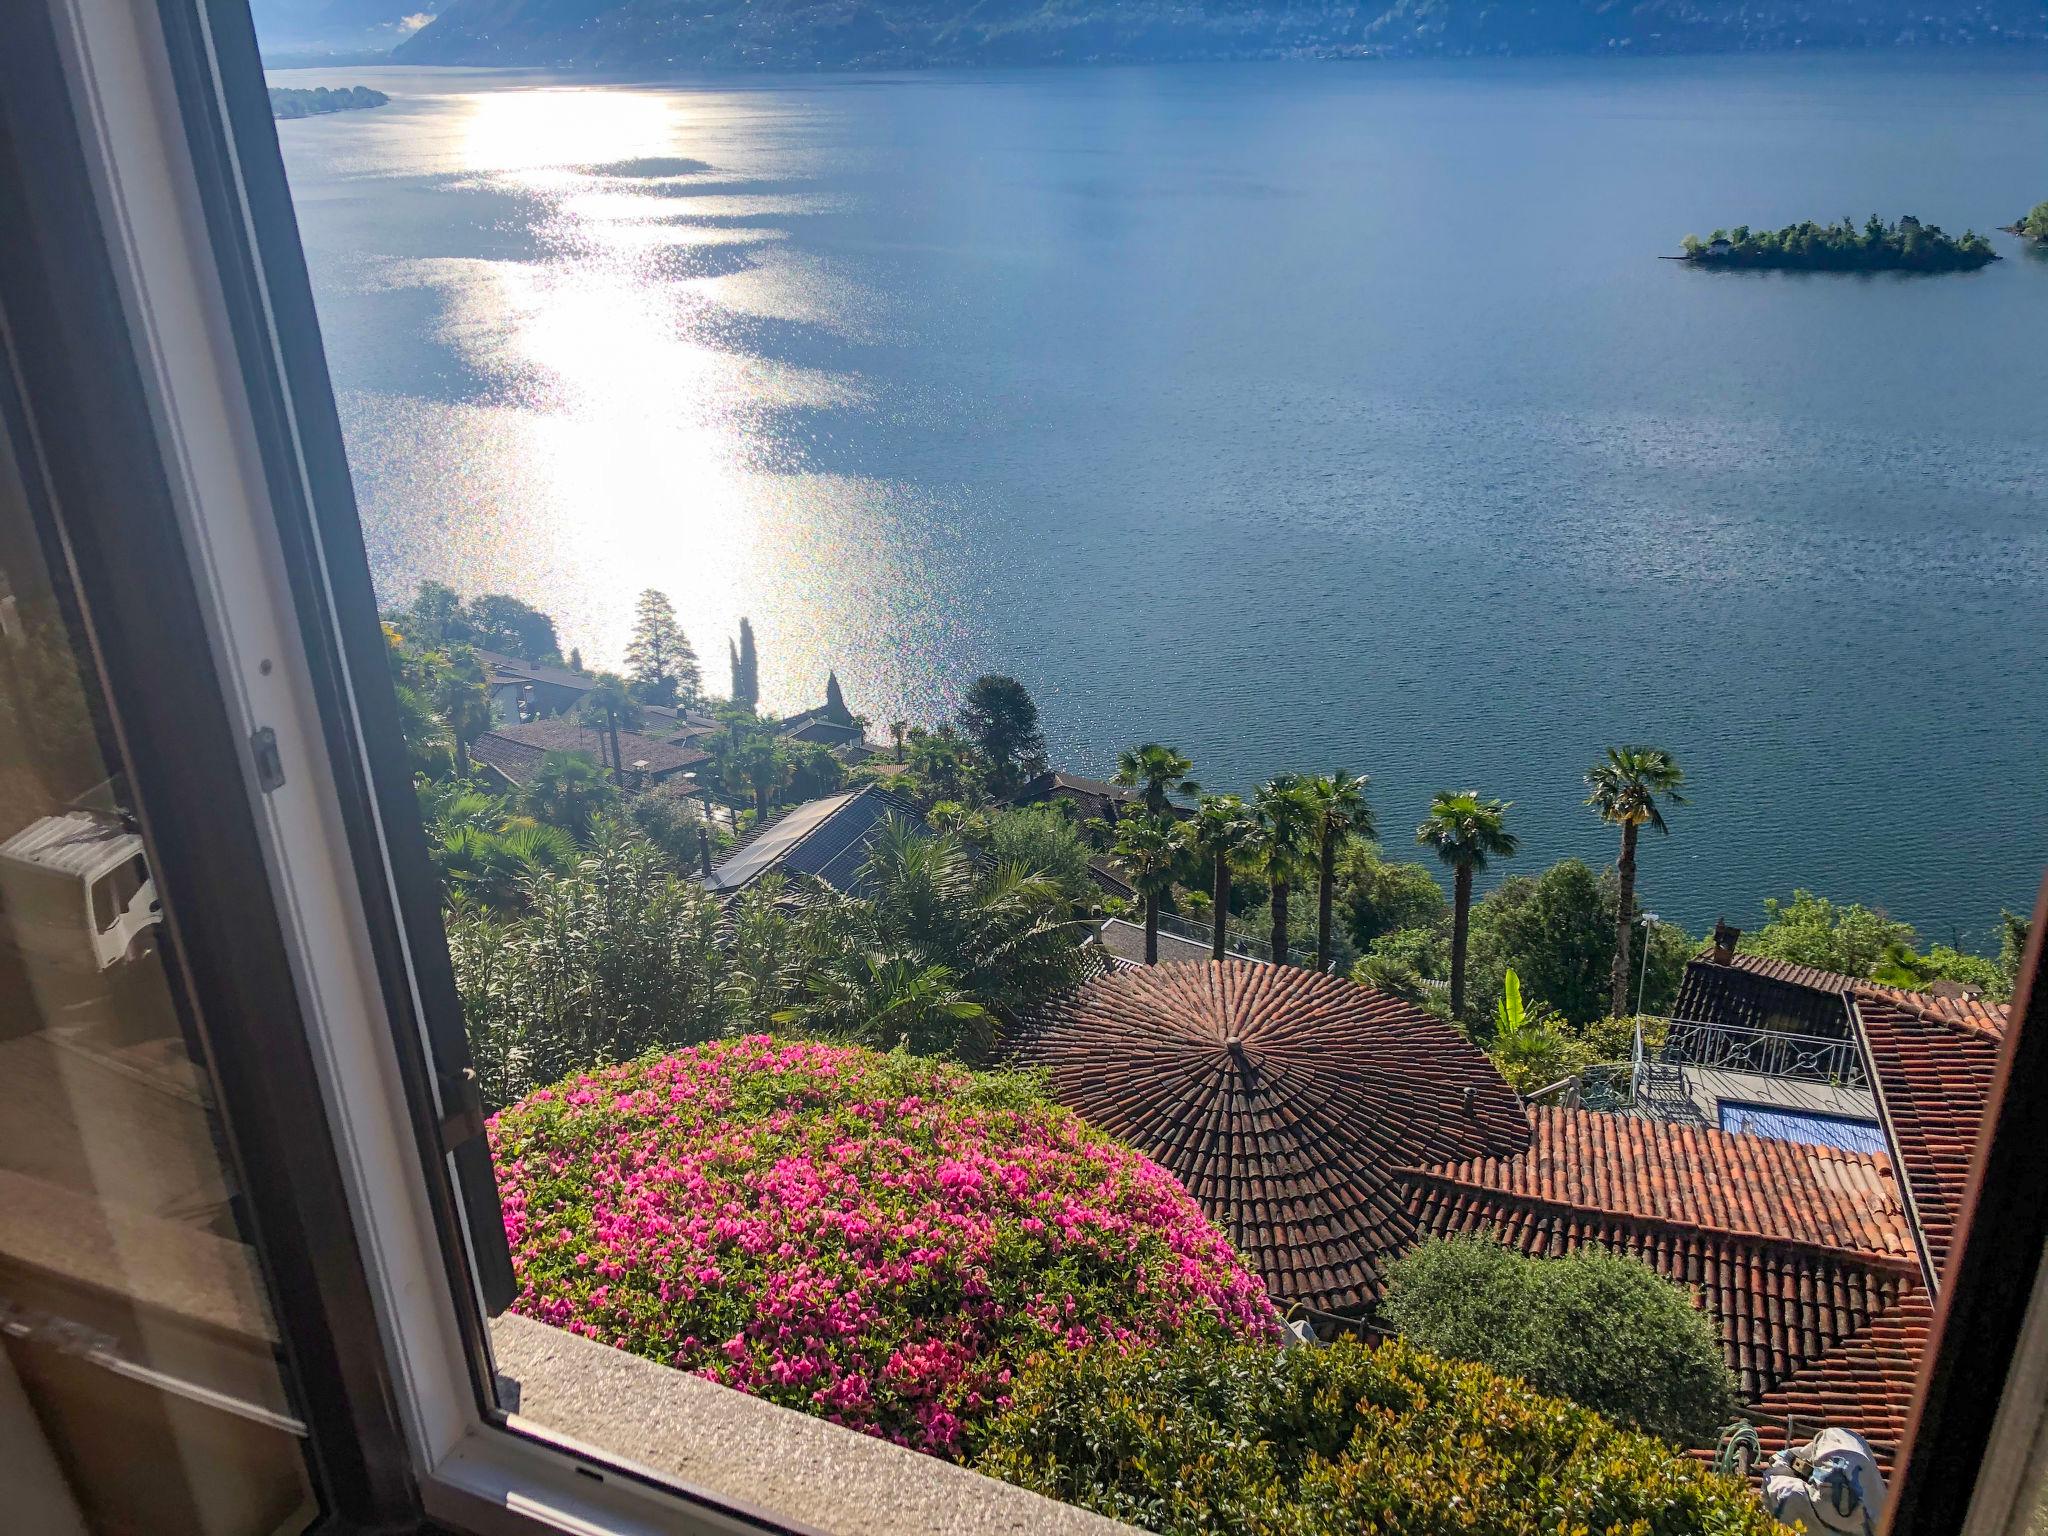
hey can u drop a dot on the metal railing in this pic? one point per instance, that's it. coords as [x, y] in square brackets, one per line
[1235, 939]
[1764, 1052]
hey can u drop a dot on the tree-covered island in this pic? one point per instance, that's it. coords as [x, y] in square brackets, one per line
[1907, 246]
[2034, 226]
[288, 102]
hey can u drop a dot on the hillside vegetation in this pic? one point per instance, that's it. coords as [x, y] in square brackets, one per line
[828, 34]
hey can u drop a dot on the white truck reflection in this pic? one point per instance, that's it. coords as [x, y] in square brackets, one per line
[77, 893]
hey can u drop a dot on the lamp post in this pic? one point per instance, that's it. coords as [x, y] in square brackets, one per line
[1650, 921]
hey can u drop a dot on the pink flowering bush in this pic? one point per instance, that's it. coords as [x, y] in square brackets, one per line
[881, 1240]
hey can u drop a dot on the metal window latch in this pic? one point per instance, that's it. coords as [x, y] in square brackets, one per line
[269, 766]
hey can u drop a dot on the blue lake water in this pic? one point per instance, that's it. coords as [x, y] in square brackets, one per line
[1301, 415]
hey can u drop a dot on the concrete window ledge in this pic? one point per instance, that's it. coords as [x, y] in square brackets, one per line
[805, 1470]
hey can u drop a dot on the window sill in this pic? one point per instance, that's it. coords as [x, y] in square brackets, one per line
[756, 1454]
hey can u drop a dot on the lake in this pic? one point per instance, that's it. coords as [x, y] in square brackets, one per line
[1300, 415]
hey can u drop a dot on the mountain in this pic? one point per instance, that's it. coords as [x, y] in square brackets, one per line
[878, 34]
[311, 28]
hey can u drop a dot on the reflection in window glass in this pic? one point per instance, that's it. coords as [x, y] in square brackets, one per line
[141, 1390]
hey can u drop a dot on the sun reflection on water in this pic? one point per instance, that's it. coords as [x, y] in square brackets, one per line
[627, 434]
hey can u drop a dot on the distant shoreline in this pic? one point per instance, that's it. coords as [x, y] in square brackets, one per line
[291, 102]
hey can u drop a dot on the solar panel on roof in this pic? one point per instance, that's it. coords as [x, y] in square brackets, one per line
[1806, 1127]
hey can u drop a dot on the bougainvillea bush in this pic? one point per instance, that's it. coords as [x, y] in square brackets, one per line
[1215, 1439]
[878, 1239]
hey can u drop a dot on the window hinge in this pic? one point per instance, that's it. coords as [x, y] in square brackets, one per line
[269, 766]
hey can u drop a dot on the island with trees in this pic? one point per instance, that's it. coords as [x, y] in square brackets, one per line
[1875, 246]
[291, 102]
[2033, 227]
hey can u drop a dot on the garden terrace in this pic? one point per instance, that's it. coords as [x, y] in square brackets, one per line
[1285, 1101]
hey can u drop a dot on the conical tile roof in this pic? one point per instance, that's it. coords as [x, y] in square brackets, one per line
[1285, 1101]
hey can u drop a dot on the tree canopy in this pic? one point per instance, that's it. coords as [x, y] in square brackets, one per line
[999, 716]
[658, 655]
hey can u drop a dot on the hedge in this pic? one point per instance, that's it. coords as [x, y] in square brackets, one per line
[1602, 1329]
[1339, 1441]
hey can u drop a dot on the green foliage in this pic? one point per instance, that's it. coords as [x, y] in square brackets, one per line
[1158, 770]
[2035, 225]
[1401, 962]
[2013, 932]
[932, 948]
[659, 656]
[1602, 1329]
[1211, 1439]
[746, 669]
[1042, 838]
[1907, 245]
[616, 957]
[669, 816]
[439, 617]
[568, 790]
[1557, 931]
[1377, 896]
[999, 717]
[1851, 940]
[1902, 966]
[941, 764]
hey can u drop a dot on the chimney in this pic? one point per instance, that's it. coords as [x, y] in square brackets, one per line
[1725, 940]
[704, 847]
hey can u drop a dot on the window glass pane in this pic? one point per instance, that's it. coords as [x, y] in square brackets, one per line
[893, 579]
[141, 1390]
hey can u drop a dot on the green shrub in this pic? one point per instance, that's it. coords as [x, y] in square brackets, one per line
[1215, 1438]
[1604, 1330]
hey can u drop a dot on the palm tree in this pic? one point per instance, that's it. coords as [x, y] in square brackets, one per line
[1223, 830]
[763, 764]
[1286, 827]
[461, 699]
[1151, 848]
[609, 705]
[898, 729]
[1160, 770]
[566, 791]
[1340, 809]
[1625, 786]
[1465, 831]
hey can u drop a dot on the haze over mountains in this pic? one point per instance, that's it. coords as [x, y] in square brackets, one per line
[846, 34]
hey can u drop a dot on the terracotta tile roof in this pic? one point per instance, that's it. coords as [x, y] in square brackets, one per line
[1867, 1382]
[1695, 1177]
[1283, 1100]
[1932, 1073]
[1793, 1250]
[1970, 1012]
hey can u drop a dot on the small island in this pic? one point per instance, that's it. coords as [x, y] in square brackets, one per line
[286, 102]
[1907, 246]
[2033, 227]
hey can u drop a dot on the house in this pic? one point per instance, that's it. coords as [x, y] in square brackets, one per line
[1092, 799]
[1719, 246]
[820, 726]
[1328, 1128]
[527, 690]
[826, 840]
[514, 751]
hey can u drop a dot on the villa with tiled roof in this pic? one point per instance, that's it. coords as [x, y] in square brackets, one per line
[1328, 1128]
